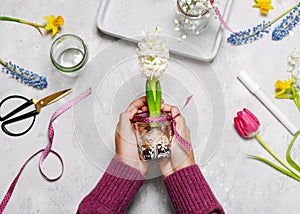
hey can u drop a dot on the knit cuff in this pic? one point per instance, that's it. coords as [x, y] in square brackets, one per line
[120, 169]
[190, 193]
[115, 190]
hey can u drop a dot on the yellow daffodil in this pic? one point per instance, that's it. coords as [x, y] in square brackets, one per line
[263, 5]
[283, 88]
[54, 23]
[283, 85]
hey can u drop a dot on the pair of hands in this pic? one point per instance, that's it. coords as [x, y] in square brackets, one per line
[126, 147]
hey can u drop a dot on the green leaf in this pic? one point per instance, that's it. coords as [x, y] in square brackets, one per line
[296, 97]
[6, 18]
[150, 98]
[280, 169]
[158, 97]
[288, 153]
[151, 101]
[153, 87]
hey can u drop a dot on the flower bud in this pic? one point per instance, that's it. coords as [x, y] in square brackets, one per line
[246, 123]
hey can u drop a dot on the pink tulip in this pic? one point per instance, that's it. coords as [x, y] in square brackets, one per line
[247, 126]
[246, 123]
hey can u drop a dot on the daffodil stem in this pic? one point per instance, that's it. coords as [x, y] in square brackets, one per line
[286, 165]
[6, 18]
[11, 19]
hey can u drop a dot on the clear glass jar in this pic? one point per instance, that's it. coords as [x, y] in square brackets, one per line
[192, 16]
[153, 135]
[69, 54]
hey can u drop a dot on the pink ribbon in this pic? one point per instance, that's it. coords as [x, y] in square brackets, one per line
[220, 17]
[144, 118]
[216, 10]
[46, 150]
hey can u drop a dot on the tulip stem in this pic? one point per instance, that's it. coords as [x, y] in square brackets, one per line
[286, 165]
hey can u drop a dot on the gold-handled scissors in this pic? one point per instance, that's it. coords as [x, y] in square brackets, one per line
[38, 104]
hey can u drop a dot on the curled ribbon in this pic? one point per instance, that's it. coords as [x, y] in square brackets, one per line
[46, 150]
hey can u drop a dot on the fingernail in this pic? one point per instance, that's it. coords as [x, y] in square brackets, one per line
[175, 110]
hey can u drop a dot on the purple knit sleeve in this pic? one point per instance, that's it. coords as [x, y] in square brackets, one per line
[115, 190]
[190, 193]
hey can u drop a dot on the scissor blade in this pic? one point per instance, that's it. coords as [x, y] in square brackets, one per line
[51, 99]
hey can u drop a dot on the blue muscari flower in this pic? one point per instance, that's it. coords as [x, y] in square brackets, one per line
[246, 36]
[287, 24]
[23, 75]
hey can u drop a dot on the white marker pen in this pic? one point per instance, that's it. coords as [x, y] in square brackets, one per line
[254, 88]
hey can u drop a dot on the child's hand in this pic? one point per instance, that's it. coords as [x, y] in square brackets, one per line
[180, 158]
[126, 146]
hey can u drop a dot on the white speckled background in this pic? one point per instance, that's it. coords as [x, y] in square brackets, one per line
[242, 185]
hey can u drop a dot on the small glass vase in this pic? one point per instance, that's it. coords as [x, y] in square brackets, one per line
[69, 54]
[192, 18]
[153, 135]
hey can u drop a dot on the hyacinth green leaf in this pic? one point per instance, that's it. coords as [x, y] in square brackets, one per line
[158, 97]
[280, 169]
[153, 89]
[288, 153]
[150, 98]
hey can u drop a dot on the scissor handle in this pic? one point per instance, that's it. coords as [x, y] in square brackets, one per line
[18, 118]
[28, 103]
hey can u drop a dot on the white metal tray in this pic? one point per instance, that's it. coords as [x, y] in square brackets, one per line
[128, 18]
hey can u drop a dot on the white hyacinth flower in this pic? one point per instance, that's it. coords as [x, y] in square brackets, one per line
[153, 55]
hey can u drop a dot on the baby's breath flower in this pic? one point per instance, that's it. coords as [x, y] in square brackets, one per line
[189, 14]
[183, 36]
